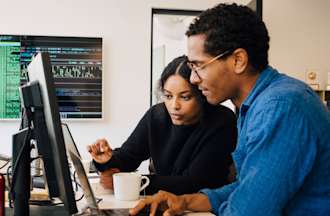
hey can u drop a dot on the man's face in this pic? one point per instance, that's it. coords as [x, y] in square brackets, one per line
[216, 79]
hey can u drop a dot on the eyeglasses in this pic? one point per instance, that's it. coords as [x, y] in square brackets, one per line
[196, 69]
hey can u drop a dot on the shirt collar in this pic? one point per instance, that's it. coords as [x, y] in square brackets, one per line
[265, 78]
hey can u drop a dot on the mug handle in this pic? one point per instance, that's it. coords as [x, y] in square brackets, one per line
[146, 183]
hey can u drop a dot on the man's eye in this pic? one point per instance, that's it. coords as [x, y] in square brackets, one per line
[195, 64]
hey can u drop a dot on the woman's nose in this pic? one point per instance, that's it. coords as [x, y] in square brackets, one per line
[176, 104]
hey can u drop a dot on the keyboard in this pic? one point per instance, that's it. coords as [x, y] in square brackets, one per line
[125, 212]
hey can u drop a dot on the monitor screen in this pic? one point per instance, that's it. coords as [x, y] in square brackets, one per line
[76, 64]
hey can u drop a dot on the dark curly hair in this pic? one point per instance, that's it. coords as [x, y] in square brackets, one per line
[179, 66]
[232, 26]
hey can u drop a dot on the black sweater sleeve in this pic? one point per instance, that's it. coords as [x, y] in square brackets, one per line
[134, 150]
[208, 165]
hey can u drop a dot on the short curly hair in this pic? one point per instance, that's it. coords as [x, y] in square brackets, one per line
[232, 26]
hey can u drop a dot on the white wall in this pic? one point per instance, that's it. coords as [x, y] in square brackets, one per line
[299, 39]
[300, 36]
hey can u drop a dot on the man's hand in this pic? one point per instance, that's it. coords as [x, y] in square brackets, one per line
[172, 204]
[101, 151]
[106, 178]
[168, 202]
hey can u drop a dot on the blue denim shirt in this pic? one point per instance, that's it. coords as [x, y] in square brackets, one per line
[282, 155]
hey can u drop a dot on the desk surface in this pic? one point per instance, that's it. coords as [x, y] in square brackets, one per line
[108, 202]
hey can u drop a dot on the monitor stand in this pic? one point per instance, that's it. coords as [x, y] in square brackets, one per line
[20, 189]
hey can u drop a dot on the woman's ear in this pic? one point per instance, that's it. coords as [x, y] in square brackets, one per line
[241, 59]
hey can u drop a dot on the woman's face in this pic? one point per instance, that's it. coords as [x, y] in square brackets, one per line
[180, 102]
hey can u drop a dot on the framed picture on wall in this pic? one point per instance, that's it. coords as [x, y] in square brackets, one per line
[76, 63]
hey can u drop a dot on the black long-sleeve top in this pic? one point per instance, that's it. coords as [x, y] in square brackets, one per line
[186, 158]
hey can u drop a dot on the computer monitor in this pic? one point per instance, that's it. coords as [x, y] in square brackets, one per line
[77, 69]
[40, 103]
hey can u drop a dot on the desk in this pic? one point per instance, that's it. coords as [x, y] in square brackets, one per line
[108, 202]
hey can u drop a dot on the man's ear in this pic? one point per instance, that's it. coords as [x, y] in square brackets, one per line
[241, 59]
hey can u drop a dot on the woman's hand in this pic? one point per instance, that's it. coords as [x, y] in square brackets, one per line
[101, 151]
[106, 178]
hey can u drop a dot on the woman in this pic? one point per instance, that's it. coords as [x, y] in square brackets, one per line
[188, 140]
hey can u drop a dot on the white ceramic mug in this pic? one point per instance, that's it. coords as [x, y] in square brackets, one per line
[127, 186]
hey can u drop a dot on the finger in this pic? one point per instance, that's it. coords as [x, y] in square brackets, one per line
[101, 146]
[167, 199]
[97, 146]
[170, 212]
[153, 208]
[138, 207]
[105, 149]
[94, 148]
[104, 146]
[94, 156]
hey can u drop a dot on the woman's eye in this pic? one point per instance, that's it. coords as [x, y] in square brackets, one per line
[167, 96]
[186, 98]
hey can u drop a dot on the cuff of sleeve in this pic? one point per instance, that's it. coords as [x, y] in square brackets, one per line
[213, 198]
[100, 167]
[114, 162]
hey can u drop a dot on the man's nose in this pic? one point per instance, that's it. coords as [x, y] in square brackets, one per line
[194, 78]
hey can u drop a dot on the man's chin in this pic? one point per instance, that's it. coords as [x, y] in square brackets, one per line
[212, 101]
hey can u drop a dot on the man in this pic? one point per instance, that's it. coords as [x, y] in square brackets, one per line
[283, 152]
